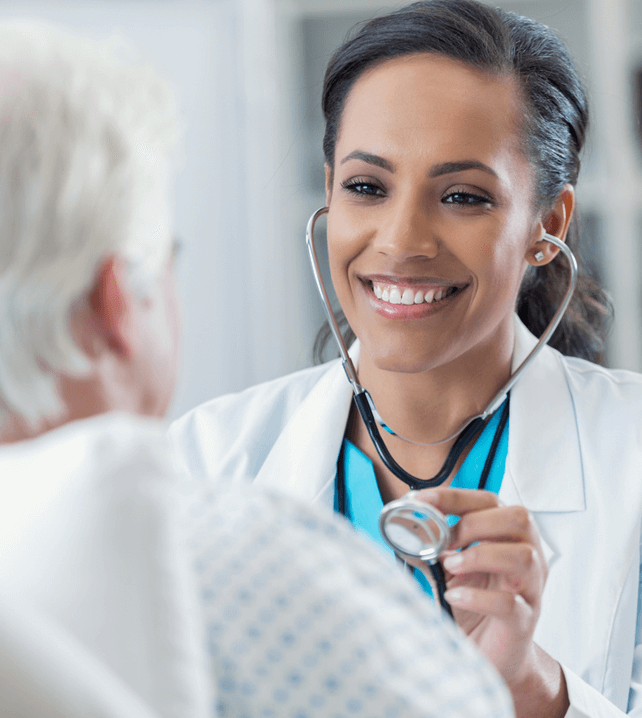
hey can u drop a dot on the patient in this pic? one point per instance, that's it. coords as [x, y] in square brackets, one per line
[126, 589]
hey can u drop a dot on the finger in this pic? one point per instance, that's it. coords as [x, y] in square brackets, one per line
[503, 605]
[459, 501]
[520, 566]
[506, 523]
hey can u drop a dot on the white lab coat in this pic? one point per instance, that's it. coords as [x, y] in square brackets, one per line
[574, 461]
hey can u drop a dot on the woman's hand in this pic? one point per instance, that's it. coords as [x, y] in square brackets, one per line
[495, 588]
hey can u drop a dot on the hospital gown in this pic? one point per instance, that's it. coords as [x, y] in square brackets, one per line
[306, 618]
[186, 599]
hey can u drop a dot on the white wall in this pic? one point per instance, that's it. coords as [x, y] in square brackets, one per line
[605, 39]
[249, 77]
[239, 274]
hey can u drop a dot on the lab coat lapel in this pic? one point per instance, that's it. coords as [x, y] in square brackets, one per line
[544, 464]
[303, 461]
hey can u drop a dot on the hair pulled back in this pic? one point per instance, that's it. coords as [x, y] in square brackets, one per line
[554, 130]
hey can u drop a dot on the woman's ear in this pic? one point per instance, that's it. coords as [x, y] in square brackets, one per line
[556, 222]
[328, 184]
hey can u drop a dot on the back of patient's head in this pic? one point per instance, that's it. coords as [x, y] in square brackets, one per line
[86, 143]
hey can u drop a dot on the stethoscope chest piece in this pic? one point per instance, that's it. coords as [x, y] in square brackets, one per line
[414, 529]
[417, 531]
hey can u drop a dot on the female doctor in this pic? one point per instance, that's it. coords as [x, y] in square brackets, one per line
[453, 134]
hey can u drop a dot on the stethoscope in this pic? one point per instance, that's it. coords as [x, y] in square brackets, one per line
[415, 530]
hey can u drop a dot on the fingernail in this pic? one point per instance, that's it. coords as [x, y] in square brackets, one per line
[453, 561]
[455, 595]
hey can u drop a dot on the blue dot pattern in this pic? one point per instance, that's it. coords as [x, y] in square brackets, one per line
[304, 618]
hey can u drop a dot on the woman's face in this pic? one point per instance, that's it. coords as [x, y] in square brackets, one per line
[431, 212]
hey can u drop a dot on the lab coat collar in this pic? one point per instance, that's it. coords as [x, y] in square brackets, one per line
[543, 433]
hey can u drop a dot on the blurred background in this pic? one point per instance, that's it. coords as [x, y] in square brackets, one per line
[249, 75]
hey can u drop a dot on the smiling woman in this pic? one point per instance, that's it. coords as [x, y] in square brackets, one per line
[551, 115]
[453, 135]
[444, 213]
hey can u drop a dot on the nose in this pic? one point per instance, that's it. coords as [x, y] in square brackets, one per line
[407, 231]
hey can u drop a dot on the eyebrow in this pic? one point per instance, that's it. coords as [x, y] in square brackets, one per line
[445, 168]
[370, 159]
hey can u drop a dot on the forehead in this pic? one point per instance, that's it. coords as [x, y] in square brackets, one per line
[425, 104]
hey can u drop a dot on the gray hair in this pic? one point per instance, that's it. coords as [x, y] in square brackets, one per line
[87, 134]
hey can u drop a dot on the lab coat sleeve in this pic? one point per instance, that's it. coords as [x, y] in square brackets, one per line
[587, 702]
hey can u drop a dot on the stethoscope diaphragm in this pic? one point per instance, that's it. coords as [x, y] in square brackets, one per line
[414, 529]
[417, 532]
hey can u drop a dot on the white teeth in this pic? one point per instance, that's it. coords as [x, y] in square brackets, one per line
[395, 296]
[408, 297]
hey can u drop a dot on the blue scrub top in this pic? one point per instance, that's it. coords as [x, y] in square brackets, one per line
[363, 501]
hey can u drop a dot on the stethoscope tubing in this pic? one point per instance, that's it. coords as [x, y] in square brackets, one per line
[439, 577]
[474, 425]
[469, 433]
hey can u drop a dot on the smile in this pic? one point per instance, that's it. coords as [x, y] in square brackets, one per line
[393, 294]
[412, 298]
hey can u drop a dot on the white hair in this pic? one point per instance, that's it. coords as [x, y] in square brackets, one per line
[87, 134]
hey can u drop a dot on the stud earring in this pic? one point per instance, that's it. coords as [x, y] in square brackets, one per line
[539, 256]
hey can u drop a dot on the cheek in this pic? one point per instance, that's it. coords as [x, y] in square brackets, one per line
[338, 256]
[497, 260]
[347, 239]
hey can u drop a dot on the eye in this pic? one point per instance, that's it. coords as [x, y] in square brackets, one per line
[363, 187]
[466, 199]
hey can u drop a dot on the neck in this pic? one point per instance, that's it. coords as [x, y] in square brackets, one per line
[428, 407]
[432, 405]
[15, 428]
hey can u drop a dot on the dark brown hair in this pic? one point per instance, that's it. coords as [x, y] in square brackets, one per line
[555, 125]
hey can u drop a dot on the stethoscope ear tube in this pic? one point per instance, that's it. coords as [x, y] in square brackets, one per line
[498, 399]
[348, 366]
[475, 424]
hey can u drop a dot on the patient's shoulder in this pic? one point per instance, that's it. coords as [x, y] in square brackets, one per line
[97, 449]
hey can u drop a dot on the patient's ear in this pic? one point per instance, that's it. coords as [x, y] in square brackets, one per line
[111, 307]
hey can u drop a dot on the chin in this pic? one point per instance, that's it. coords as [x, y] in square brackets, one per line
[404, 362]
